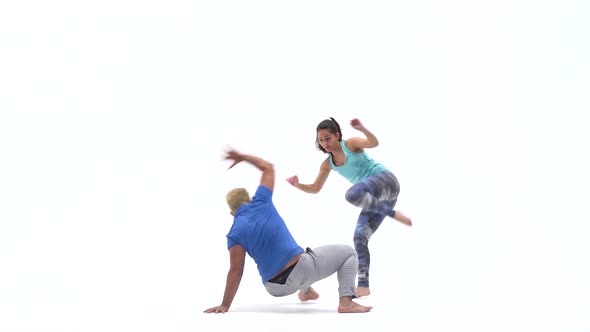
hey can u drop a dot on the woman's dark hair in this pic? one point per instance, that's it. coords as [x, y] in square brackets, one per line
[332, 126]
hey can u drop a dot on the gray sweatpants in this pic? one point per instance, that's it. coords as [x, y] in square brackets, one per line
[317, 264]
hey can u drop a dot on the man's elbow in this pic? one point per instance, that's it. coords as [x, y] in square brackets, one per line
[269, 169]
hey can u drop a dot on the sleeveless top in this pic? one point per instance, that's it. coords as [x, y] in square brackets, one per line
[358, 165]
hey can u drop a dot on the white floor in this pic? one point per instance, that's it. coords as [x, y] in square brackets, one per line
[419, 285]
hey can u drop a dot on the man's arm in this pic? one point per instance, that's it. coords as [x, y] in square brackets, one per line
[237, 258]
[268, 171]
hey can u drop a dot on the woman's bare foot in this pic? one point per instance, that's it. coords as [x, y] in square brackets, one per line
[402, 218]
[363, 291]
[347, 305]
[309, 294]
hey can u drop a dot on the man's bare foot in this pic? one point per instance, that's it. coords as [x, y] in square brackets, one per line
[363, 291]
[347, 305]
[309, 294]
[402, 218]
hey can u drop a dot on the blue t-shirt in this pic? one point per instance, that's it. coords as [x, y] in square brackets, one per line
[263, 234]
[358, 165]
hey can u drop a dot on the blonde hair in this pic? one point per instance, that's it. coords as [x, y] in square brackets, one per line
[236, 198]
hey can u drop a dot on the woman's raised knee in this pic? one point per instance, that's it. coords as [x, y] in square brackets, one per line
[351, 196]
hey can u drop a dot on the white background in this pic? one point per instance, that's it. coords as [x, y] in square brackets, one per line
[114, 116]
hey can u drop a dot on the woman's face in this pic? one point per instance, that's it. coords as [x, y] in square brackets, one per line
[328, 140]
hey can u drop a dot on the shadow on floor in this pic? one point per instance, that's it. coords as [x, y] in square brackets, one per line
[286, 308]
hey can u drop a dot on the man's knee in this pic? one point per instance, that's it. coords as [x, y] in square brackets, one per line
[350, 251]
[346, 250]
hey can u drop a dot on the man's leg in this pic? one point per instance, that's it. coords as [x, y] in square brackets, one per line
[323, 262]
[340, 259]
[317, 264]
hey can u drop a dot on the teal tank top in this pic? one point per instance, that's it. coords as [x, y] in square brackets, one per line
[358, 165]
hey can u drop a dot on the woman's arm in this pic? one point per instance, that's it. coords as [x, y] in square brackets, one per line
[317, 185]
[359, 143]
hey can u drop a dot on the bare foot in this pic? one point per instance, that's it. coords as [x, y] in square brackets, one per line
[309, 294]
[347, 305]
[363, 291]
[402, 218]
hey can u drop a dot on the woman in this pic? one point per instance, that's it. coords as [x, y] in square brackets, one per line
[375, 188]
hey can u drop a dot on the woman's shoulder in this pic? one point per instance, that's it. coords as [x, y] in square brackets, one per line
[349, 145]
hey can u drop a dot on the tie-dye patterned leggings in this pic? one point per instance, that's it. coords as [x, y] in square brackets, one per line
[376, 195]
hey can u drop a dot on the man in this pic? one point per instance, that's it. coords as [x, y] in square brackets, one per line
[283, 265]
